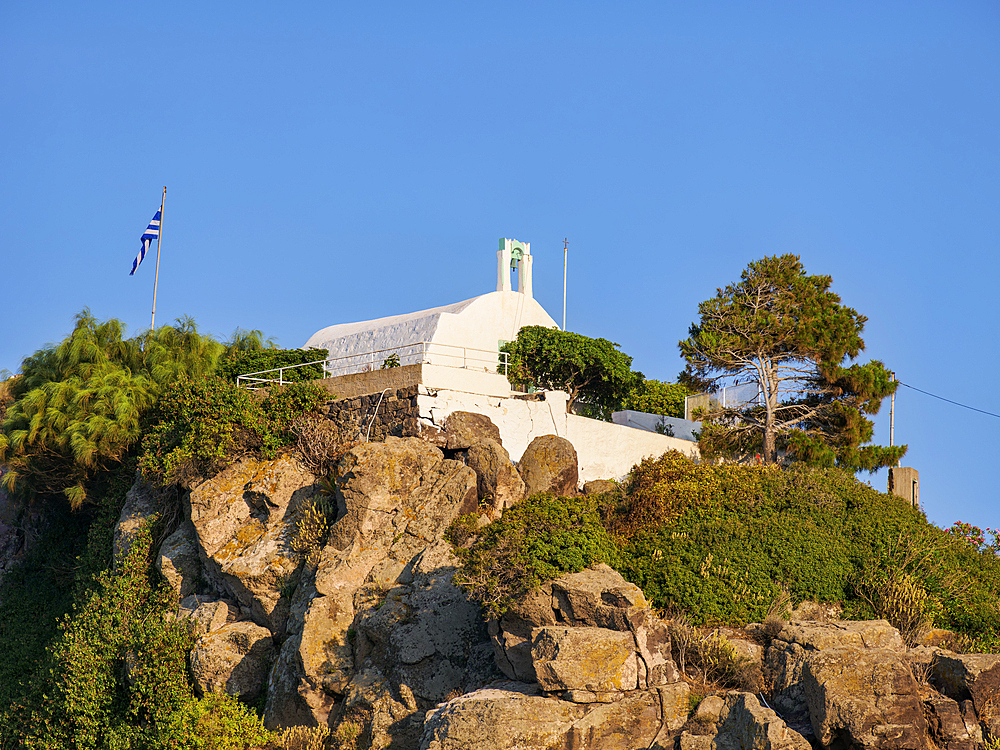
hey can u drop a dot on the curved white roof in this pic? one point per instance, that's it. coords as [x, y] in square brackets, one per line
[479, 323]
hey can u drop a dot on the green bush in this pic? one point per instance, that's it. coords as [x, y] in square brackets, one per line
[722, 542]
[115, 676]
[246, 362]
[199, 426]
[657, 397]
[532, 542]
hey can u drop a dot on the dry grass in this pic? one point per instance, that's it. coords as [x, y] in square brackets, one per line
[317, 443]
[300, 738]
[709, 658]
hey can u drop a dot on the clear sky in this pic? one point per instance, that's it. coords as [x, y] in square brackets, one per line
[332, 162]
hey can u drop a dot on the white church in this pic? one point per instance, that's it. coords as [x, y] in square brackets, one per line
[462, 336]
[452, 355]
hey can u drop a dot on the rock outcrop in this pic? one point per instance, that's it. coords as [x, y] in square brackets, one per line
[497, 481]
[245, 521]
[379, 607]
[180, 563]
[463, 429]
[549, 464]
[363, 630]
[235, 659]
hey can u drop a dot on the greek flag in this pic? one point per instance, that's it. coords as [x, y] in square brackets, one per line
[152, 232]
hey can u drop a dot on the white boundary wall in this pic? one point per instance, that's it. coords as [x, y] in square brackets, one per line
[604, 450]
[683, 428]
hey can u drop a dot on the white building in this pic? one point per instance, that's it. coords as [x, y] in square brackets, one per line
[451, 354]
[465, 335]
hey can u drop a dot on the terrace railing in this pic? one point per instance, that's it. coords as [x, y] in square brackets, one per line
[420, 353]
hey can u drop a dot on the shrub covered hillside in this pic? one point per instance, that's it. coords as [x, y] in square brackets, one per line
[724, 543]
[92, 659]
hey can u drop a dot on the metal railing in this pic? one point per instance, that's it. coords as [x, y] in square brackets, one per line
[729, 397]
[420, 353]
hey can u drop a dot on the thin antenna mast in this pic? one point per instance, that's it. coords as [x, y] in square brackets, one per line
[565, 254]
[156, 279]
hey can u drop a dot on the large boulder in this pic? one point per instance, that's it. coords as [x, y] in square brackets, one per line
[549, 464]
[842, 634]
[204, 614]
[463, 429]
[600, 487]
[401, 486]
[949, 726]
[179, 562]
[597, 597]
[593, 659]
[974, 677]
[785, 658]
[235, 659]
[498, 483]
[744, 723]
[508, 715]
[514, 716]
[246, 520]
[864, 698]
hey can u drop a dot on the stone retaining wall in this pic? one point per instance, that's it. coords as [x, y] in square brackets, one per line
[353, 415]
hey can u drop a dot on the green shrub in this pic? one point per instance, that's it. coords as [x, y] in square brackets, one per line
[657, 397]
[244, 363]
[115, 674]
[199, 426]
[533, 542]
[216, 722]
[723, 541]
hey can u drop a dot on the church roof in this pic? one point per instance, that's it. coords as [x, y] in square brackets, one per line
[479, 322]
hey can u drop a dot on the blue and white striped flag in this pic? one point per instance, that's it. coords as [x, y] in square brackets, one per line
[152, 232]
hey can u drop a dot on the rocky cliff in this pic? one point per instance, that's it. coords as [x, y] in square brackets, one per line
[334, 605]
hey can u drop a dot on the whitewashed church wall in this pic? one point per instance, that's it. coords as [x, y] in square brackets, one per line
[604, 450]
[609, 451]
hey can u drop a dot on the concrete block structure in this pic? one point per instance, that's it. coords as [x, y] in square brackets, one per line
[904, 482]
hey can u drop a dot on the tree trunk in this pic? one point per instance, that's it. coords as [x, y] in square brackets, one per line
[770, 449]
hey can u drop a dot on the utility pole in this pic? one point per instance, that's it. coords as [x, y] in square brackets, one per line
[892, 412]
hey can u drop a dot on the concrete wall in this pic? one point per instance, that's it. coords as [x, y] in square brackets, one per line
[604, 450]
[609, 451]
[405, 376]
[904, 482]
[683, 429]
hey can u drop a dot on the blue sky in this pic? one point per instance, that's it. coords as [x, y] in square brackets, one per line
[331, 162]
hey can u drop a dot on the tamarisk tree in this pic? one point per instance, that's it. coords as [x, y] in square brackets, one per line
[591, 370]
[787, 333]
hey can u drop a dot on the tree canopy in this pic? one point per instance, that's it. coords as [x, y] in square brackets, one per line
[786, 333]
[77, 406]
[591, 370]
[657, 397]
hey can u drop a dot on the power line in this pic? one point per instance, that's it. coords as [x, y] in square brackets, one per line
[964, 406]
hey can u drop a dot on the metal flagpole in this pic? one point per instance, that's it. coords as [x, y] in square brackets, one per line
[156, 279]
[565, 253]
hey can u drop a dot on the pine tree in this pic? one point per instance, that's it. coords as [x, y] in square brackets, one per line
[787, 333]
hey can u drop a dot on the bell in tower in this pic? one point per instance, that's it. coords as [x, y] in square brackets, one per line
[514, 256]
